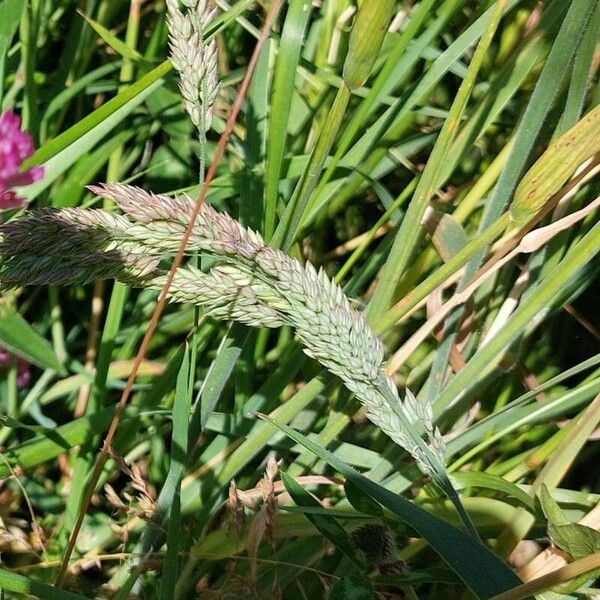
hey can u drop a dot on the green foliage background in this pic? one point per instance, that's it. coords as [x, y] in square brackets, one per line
[402, 190]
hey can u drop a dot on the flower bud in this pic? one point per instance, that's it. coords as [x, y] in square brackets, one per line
[371, 24]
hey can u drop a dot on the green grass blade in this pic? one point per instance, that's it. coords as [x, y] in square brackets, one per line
[20, 584]
[540, 103]
[217, 377]
[398, 60]
[252, 193]
[171, 488]
[295, 210]
[113, 41]
[487, 481]
[18, 336]
[582, 65]
[487, 358]
[327, 525]
[56, 441]
[101, 120]
[29, 29]
[465, 556]
[10, 16]
[410, 229]
[61, 101]
[284, 79]
[571, 443]
[394, 122]
[84, 460]
[553, 169]
[521, 412]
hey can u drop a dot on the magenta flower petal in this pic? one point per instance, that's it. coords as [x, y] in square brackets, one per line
[36, 173]
[23, 378]
[9, 122]
[24, 178]
[15, 147]
[23, 367]
[9, 199]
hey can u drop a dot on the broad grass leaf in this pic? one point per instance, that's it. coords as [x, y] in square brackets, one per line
[551, 509]
[467, 557]
[576, 539]
[361, 501]
[558, 163]
[467, 479]
[18, 336]
[20, 584]
[10, 15]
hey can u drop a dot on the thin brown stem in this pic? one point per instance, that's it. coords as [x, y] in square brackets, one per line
[241, 93]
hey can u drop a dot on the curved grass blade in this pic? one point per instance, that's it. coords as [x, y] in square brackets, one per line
[487, 481]
[465, 556]
[18, 336]
[533, 120]
[486, 359]
[290, 46]
[13, 582]
[129, 98]
[327, 525]
[410, 229]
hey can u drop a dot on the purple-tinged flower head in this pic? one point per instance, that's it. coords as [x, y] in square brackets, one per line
[15, 147]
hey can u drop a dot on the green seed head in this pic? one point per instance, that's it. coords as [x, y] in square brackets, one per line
[376, 542]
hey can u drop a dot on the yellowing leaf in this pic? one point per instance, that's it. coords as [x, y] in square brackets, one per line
[554, 168]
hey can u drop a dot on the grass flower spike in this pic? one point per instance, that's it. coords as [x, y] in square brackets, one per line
[194, 58]
[252, 283]
[392, 194]
[15, 147]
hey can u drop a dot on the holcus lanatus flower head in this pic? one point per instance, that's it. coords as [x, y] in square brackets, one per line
[15, 147]
[252, 283]
[194, 57]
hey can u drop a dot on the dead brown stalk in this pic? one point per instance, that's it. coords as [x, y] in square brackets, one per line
[241, 93]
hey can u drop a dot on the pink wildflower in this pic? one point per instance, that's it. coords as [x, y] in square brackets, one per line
[15, 147]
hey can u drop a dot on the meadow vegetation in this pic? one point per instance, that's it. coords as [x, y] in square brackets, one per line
[299, 299]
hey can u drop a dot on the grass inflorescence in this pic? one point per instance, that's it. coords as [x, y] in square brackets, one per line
[377, 373]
